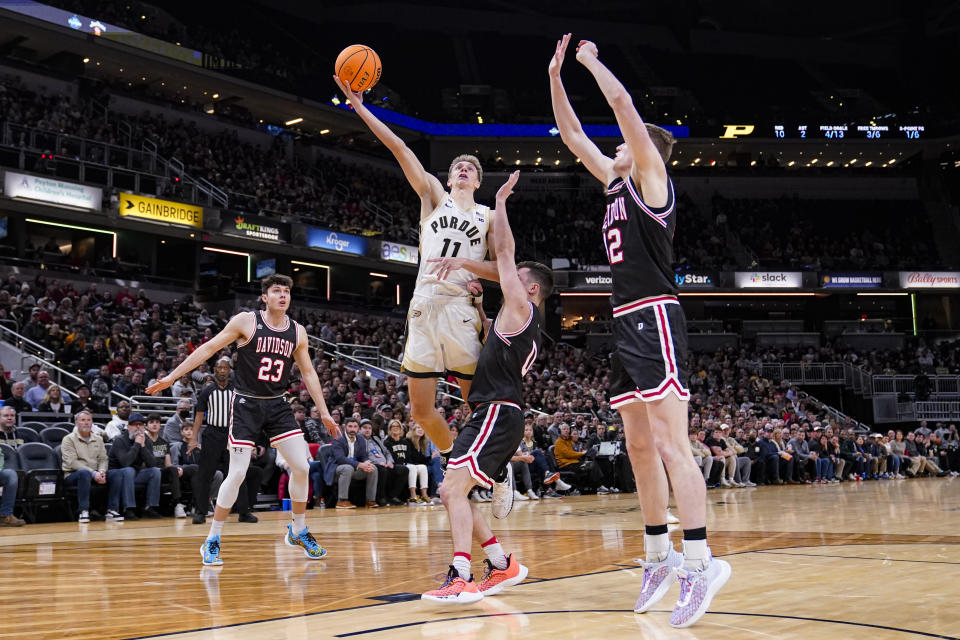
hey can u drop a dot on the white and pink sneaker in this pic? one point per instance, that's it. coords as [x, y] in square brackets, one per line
[657, 579]
[697, 589]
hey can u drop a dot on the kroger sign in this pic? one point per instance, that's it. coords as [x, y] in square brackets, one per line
[318, 238]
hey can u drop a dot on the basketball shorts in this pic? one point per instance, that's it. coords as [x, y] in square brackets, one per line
[650, 358]
[443, 336]
[249, 417]
[488, 441]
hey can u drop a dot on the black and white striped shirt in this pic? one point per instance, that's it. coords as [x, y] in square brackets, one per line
[215, 403]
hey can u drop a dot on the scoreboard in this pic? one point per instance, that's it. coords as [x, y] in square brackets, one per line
[844, 131]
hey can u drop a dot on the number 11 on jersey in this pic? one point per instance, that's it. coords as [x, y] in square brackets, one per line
[446, 246]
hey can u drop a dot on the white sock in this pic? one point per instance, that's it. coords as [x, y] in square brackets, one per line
[299, 523]
[657, 547]
[696, 555]
[495, 554]
[215, 528]
[461, 562]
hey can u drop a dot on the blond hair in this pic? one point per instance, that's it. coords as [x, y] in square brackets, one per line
[472, 160]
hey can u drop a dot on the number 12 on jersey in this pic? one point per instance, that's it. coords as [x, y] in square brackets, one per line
[266, 364]
[614, 242]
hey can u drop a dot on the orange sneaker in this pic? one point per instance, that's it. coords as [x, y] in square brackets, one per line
[454, 590]
[496, 580]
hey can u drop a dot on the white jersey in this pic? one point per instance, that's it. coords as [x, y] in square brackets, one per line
[450, 232]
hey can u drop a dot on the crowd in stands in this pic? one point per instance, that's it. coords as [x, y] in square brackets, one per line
[117, 343]
[790, 233]
[777, 233]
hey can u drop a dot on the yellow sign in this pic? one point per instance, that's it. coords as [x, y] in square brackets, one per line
[736, 130]
[161, 210]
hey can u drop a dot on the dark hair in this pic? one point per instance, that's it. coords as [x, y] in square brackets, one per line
[154, 416]
[541, 274]
[351, 419]
[662, 139]
[277, 278]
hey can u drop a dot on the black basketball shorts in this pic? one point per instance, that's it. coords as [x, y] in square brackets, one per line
[488, 441]
[650, 359]
[249, 417]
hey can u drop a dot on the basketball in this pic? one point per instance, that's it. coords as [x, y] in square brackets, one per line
[358, 67]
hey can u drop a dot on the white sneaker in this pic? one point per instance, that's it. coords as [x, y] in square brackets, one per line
[503, 495]
[532, 494]
[179, 511]
[672, 519]
[725, 483]
[749, 484]
[562, 486]
[602, 490]
[84, 517]
[476, 497]
[657, 579]
[519, 496]
[113, 516]
[697, 589]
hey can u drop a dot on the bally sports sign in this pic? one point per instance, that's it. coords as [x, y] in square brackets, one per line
[930, 279]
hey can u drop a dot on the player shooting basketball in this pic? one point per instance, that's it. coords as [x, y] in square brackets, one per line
[443, 323]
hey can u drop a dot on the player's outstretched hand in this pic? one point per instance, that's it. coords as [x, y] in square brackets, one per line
[586, 50]
[333, 429]
[507, 189]
[475, 287]
[557, 60]
[446, 266]
[354, 97]
[159, 385]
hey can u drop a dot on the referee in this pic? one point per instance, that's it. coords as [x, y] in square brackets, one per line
[214, 406]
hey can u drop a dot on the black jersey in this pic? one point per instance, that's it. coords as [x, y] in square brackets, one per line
[639, 243]
[504, 361]
[265, 360]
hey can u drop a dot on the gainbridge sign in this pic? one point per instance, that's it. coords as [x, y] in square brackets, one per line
[160, 210]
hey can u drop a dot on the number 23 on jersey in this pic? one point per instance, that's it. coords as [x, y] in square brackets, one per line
[270, 369]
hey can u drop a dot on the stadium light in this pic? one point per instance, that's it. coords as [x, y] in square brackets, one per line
[293, 122]
[233, 253]
[73, 226]
[316, 266]
[378, 275]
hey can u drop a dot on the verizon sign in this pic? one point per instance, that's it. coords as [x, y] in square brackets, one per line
[591, 280]
[930, 279]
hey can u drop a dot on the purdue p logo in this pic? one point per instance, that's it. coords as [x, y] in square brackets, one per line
[737, 130]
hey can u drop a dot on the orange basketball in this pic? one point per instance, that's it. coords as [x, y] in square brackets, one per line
[358, 67]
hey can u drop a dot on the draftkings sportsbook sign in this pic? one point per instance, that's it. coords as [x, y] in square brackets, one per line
[254, 227]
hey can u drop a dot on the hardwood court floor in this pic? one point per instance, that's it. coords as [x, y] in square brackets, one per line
[874, 560]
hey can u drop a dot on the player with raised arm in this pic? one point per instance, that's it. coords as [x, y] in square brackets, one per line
[649, 365]
[268, 344]
[444, 322]
[486, 443]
